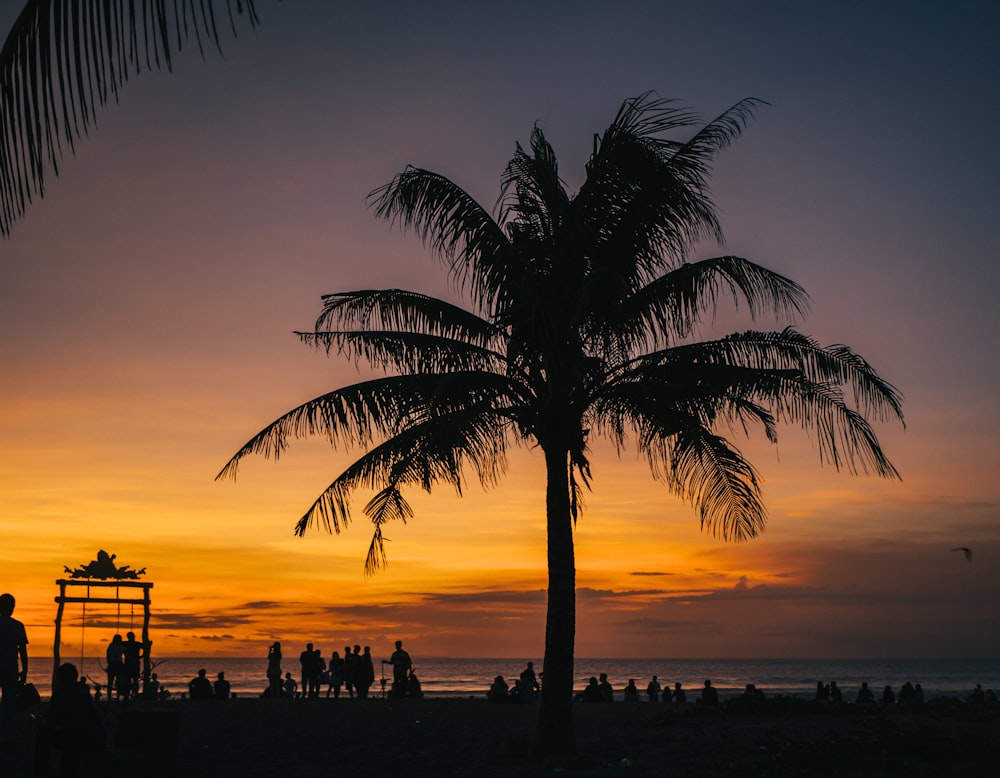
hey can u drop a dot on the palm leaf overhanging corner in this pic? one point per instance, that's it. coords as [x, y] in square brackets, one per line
[581, 314]
[64, 59]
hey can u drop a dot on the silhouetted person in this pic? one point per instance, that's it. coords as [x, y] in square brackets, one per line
[865, 695]
[678, 696]
[499, 691]
[836, 697]
[529, 678]
[221, 688]
[71, 726]
[413, 689]
[653, 690]
[888, 697]
[631, 691]
[151, 689]
[607, 693]
[401, 666]
[309, 659]
[351, 668]
[274, 669]
[365, 673]
[199, 687]
[336, 678]
[709, 696]
[13, 649]
[131, 658]
[115, 658]
[591, 693]
[822, 692]
[290, 686]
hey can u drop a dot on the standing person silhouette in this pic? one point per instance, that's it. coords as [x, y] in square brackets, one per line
[13, 648]
[351, 668]
[365, 673]
[131, 658]
[115, 658]
[274, 669]
[401, 667]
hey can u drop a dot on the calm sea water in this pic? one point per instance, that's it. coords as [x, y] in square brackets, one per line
[472, 677]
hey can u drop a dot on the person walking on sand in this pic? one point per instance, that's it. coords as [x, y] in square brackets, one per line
[13, 649]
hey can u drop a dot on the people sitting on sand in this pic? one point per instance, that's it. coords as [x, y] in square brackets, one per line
[709, 696]
[607, 692]
[653, 690]
[865, 695]
[499, 692]
[199, 687]
[221, 687]
[888, 697]
[752, 694]
[71, 726]
[151, 689]
[907, 695]
[591, 693]
[822, 692]
[978, 696]
[631, 691]
[678, 696]
[413, 688]
[290, 688]
[836, 696]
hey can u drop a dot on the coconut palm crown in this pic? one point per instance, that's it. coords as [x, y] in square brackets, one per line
[580, 323]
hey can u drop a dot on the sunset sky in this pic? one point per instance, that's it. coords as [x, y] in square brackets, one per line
[147, 306]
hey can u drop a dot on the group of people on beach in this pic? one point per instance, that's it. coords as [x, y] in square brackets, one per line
[354, 672]
[524, 689]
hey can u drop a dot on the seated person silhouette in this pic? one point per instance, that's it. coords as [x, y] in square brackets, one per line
[709, 696]
[499, 691]
[199, 687]
[592, 692]
[221, 688]
[71, 727]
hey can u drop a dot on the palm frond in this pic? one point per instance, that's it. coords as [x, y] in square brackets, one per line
[704, 469]
[399, 309]
[669, 307]
[64, 59]
[407, 352]
[453, 224]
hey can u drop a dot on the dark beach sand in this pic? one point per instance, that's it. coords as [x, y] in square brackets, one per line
[467, 737]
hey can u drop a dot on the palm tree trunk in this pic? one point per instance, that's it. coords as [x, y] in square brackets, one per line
[554, 733]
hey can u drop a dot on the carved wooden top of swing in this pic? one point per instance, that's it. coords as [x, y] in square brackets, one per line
[104, 567]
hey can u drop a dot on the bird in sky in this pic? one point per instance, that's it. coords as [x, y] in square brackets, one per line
[966, 551]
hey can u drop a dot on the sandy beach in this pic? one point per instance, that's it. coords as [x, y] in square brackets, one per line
[468, 737]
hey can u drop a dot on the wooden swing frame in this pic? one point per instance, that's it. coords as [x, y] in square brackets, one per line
[144, 601]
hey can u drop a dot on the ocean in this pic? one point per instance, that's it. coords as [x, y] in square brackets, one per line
[443, 677]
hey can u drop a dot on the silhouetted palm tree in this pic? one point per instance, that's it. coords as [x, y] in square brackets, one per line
[63, 59]
[580, 324]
